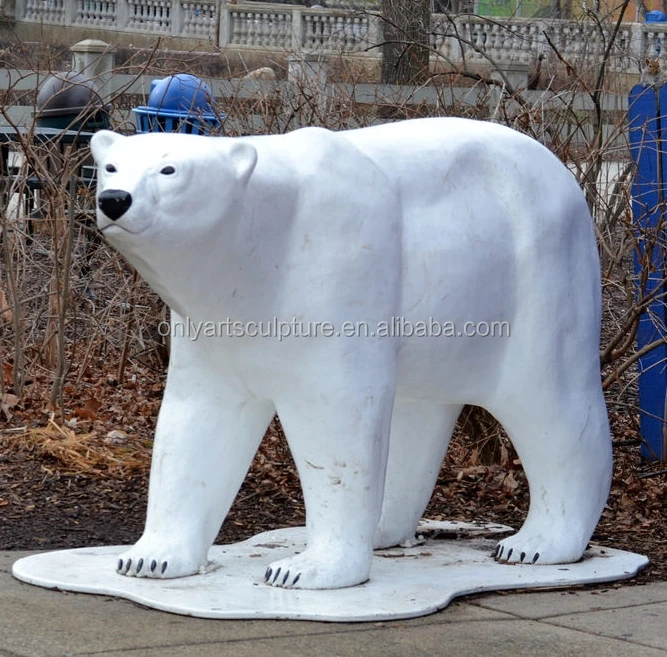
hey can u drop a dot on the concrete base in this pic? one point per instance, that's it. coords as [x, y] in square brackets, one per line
[405, 582]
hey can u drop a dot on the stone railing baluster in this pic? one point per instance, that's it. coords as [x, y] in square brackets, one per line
[293, 27]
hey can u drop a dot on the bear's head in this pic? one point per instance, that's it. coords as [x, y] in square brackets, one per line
[157, 192]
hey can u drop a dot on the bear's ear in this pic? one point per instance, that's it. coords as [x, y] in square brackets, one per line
[244, 158]
[102, 141]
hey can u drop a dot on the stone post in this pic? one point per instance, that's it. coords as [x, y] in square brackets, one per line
[71, 7]
[374, 36]
[94, 59]
[122, 14]
[636, 47]
[177, 18]
[225, 35]
[307, 69]
[297, 29]
[308, 74]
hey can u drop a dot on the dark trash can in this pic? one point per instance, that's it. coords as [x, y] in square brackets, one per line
[70, 101]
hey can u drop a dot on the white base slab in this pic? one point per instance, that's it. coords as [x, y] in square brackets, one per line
[404, 583]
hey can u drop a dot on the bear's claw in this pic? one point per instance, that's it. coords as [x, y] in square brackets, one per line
[271, 577]
[497, 554]
[156, 559]
[532, 547]
[125, 567]
[313, 569]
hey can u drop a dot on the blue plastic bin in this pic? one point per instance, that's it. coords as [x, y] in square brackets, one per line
[655, 16]
[179, 103]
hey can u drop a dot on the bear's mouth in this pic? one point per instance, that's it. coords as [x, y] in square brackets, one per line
[123, 229]
[104, 229]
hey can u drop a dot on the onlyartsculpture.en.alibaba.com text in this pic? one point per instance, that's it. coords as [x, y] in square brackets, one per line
[280, 329]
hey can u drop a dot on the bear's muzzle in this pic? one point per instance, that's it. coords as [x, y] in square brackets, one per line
[114, 203]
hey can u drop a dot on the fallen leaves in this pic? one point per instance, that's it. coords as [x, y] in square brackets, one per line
[8, 374]
[509, 483]
[89, 409]
[82, 453]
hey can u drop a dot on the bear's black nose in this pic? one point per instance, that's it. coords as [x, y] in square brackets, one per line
[114, 203]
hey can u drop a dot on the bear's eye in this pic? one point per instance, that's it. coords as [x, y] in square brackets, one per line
[168, 170]
[110, 168]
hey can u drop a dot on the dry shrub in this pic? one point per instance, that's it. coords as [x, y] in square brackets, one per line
[82, 453]
[65, 322]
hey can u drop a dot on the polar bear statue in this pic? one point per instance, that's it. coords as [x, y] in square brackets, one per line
[383, 251]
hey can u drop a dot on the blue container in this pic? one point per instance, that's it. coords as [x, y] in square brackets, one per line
[179, 103]
[655, 16]
[647, 136]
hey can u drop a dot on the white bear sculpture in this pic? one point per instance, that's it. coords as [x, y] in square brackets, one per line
[383, 251]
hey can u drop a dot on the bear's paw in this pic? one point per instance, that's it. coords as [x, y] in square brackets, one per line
[541, 546]
[157, 559]
[319, 569]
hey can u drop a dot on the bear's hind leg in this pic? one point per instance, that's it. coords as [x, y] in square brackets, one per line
[565, 448]
[419, 437]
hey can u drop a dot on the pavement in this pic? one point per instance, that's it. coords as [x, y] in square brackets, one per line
[616, 621]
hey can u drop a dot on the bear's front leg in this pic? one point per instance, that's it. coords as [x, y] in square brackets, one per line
[338, 434]
[207, 434]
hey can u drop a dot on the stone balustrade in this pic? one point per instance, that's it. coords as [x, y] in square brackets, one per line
[456, 38]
